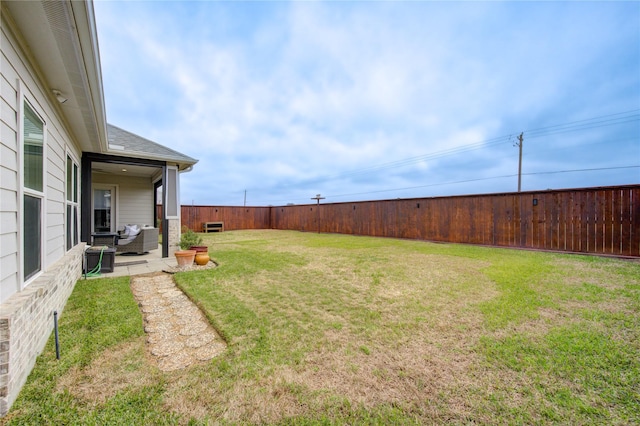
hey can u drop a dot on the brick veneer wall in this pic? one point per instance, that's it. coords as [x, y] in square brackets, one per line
[174, 235]
[26, 322]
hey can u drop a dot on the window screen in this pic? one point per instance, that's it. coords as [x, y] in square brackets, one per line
[33, 144]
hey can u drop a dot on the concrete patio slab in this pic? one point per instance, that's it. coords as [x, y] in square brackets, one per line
[134, 264]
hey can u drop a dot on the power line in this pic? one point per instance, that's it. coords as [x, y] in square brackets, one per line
[588, 120]
[484, 179]
[585, 127]
[583, 170]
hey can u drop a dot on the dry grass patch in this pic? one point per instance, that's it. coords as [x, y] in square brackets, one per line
[122, 367]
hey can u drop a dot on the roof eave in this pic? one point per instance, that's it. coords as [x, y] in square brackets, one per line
[182, 164]
[88, 39]
[64, 54]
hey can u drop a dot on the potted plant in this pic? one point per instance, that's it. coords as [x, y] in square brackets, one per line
[186, 255]
[202, 252]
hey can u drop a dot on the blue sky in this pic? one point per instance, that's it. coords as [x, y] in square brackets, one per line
[377, 100]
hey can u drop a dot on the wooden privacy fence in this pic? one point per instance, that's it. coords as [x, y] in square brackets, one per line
[589, 220]
[234, 218]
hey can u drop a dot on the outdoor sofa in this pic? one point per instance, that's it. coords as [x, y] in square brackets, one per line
[136, 239]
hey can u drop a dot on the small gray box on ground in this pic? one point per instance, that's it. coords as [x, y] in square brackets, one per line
[108, 259]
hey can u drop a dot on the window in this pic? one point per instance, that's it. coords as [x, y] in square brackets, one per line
[71, 218]
[33, 182]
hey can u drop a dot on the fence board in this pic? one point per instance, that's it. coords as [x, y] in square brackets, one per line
[634, 221]
[584, 222]
[616, 222]
[564, 218]
[607, 223]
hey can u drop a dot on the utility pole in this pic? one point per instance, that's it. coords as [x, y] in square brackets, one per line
[519, 144]
[245, 198]
[318, 198]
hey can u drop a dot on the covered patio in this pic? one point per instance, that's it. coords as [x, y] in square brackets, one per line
[124, 186]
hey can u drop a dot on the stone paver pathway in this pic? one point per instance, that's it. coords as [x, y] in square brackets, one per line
[178, 333]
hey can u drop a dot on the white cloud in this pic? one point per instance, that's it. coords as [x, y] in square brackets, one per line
[289, 93]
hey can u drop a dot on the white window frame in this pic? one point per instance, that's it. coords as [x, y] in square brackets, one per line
[23, 98]
[74, 202]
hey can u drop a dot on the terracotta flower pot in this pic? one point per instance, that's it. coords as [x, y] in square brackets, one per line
[202, 258]
[199, 249]
[185, 257]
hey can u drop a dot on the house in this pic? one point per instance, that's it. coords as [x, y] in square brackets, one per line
[64, 173]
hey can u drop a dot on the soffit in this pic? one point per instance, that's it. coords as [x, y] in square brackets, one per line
[60, 39]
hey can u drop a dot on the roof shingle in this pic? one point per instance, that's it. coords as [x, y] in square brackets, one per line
[124, 143]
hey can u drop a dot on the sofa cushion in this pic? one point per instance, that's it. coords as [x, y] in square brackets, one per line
[131, 231]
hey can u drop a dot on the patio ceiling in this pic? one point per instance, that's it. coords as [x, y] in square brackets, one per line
[126, 170]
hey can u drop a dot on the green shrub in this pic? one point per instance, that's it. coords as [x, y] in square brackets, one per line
[189, 239]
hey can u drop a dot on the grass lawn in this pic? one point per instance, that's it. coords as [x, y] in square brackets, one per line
[336, 329]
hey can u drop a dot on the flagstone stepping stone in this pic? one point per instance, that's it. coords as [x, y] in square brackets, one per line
[193, 328]
[207, 352]
[175, 362]
[166, 347]
[200, 339]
